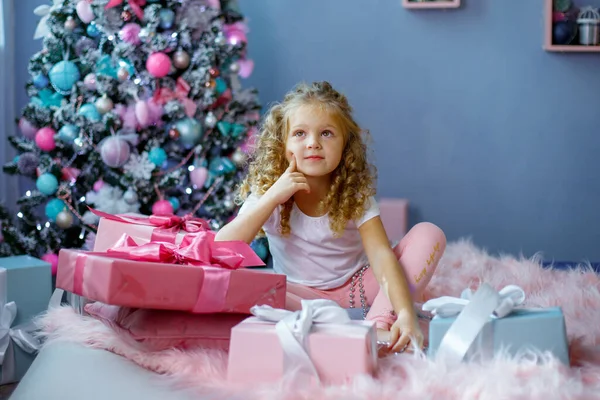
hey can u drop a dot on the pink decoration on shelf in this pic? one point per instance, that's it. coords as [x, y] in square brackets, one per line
[129, 33]
[44, 138]
[236, 33]
[246, 68]
[164, 95]
[162, 207]
[27, 129]
[84, 11]
[51, 259]
[198, 176]
[136, 6]
[158, 64]
[98, 185]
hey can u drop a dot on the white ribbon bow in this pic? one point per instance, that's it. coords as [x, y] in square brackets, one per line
[44, 12]
[511, 297]
[474, 312]
[293, 328]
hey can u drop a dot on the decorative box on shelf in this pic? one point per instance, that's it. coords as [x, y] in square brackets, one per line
[430, 4]
[571, 29]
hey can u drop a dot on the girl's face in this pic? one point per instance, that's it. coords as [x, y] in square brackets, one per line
[316, 139]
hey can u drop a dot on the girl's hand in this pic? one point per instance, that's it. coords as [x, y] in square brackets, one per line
[288, 184]
[405, 332]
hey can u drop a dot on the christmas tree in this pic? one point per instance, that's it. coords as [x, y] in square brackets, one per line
[135, 106]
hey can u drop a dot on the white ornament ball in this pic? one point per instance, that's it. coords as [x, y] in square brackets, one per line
[210, 120]
[104, 104]
[238, 157]
[70, 24]
[130, 196]
[234, 67]
[115, 152]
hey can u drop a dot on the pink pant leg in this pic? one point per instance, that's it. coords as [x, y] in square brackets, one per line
[418, 253]
[296, 293]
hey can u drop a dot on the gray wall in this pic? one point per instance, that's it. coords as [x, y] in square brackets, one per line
[489, 136]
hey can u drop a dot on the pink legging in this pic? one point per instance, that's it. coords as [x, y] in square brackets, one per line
[418, 252]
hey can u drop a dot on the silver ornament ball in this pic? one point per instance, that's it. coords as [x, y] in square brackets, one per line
[79, 145]
[104, 104]
[130, 196]
[220, 40]
[228, 204]
[70, 24]
[238, 157]
[181, 59]
[234, 67]
[210, 120]
[122, 74]
[64, 220]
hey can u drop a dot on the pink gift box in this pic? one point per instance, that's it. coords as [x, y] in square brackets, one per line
[339, 352]
[144, 228]
[154, 285]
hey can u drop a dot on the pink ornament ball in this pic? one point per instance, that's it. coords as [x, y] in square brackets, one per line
[44, 138]
[27, 129]
[90, 81]
[51, 259]
[162, 207]
[198, 176]
[115, 152]
[130, 33]
[98, 185]
[158, 64]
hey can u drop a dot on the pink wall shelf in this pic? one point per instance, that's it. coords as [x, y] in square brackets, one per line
[431, 4]
[566, 48]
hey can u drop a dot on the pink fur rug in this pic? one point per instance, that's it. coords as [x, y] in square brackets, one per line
[407, 376]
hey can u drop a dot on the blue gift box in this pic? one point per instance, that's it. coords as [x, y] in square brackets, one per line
[522, 330]
[27, 282]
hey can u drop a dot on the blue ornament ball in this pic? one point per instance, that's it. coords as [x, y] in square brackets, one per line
[166, 17]
[190, 132]
[157, 156]
[175, 203]
[68, 133]
[216, 166]
[63, 75]
[16, 159]
[221, 85]
[92, 30]
[90, 112]
[563, 32]
[228, 165]
[40, 81]
[53, 208]
[47, 184]
[260, 249]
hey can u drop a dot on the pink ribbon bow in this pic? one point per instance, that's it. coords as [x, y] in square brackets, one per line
[199, 250]
[166, 227]
[164, 95]
[136, 6]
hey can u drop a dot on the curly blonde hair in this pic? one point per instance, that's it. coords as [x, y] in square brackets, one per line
[353, 181]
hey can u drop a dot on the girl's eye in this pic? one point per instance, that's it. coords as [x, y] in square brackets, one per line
[298, 133]
[327, 133]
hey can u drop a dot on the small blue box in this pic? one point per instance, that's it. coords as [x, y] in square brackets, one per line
[522, 330]
[29, 285]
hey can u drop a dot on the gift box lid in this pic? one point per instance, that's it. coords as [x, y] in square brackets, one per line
[16, 262]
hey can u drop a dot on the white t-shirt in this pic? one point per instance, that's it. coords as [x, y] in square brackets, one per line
[311, 255]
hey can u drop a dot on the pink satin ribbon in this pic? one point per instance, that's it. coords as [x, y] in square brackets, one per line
[136, 6]
[182, 90]
[166, 226]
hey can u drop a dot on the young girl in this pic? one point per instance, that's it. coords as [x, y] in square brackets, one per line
[311, 189]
